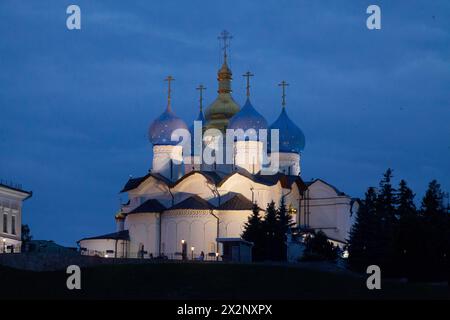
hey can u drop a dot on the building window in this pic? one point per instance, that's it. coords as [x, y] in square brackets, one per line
[5, 223]
[13, 224]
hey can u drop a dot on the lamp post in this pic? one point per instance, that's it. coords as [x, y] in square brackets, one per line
[183, 250]
[192, 253]
[4, 245]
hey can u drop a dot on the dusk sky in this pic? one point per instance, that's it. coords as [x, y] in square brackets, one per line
[76, 105]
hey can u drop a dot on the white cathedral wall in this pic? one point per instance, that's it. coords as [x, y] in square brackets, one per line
[196, 184]
[150, 189]
[99, 247]
[162, 158]
[329, 211]
[143, 229]
[289, 162]
[263, 194]
[196, 227]
[232, 222]
[248, 155]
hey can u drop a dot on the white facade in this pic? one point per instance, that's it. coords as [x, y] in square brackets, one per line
[11, 200]
[167, 161]
[326, 208]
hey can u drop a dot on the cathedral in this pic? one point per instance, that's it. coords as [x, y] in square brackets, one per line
[199, 193]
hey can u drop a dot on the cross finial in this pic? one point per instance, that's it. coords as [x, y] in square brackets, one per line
[201, 88]
[283, 84]
[247, 75]
[225, 36]
[169, 80]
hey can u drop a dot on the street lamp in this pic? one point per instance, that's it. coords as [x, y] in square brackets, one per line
[4, 245]
[192, 252]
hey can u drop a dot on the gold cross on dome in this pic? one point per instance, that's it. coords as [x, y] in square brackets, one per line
[225, 36]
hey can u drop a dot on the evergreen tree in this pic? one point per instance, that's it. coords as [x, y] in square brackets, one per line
[285, 223]
[363, 235]
[407, 231]
[435, 234]
[319, 248]
[386, 223]
[253, 232]
[26, 237]
[271, 233]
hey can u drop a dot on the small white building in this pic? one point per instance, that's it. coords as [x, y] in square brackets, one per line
[11, 200]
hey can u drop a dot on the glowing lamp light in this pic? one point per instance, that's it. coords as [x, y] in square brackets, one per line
[106, 256]
[192, 248]
[345, 254]
[182, 241]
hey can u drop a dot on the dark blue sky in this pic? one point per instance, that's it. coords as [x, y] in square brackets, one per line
[76, 105]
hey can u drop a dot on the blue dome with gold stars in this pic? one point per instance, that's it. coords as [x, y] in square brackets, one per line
[291, 136]
[161, 129]
[248, 118]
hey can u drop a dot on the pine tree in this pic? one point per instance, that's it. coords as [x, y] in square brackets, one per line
[363, 235]
[285, 223]
[386, 223]
[406, 231]
[253, 232]
[435, 234]
[26, 237]
[270, 228]
[319, 248]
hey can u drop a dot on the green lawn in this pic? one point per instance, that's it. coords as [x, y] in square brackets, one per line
[206, 281]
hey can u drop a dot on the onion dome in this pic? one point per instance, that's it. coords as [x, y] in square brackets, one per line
[223, 107]
[161, 129]
[291, 136]
[248, 118]
[219, 113]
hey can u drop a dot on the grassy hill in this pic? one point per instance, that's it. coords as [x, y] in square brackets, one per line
[207, 281]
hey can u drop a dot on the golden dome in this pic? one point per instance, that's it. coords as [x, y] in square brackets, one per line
[224, 107]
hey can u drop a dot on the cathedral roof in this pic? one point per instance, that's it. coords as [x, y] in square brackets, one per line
[338, 192]
[151, 205]
[248, 118]
[291, 137]
[237, 202]
[193, 202]
[217, 179]
[133, 183]
[121, 235]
